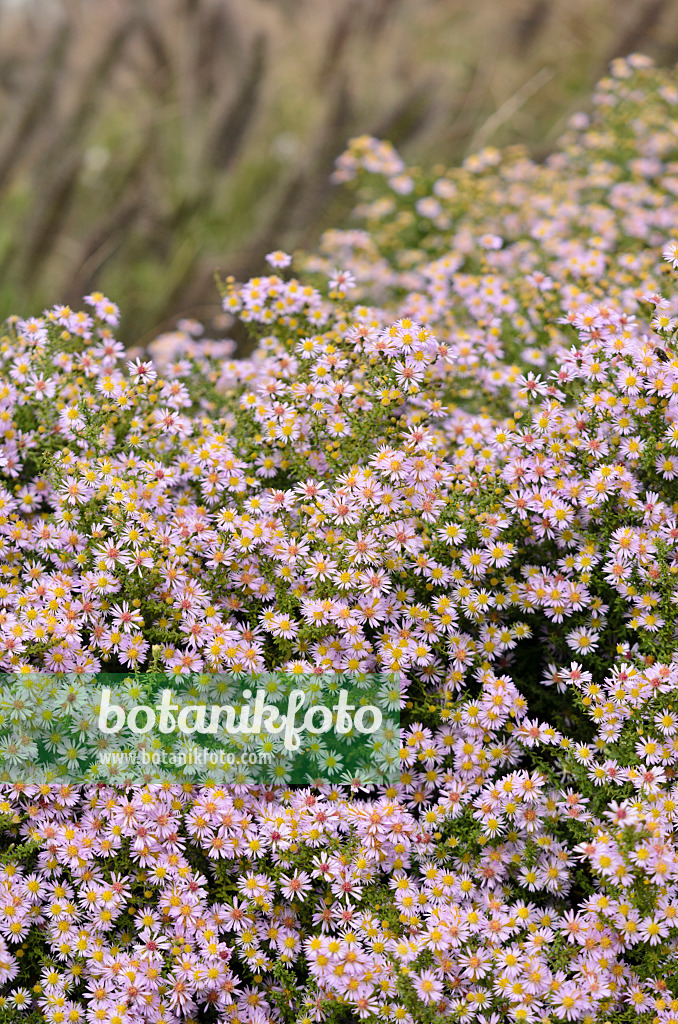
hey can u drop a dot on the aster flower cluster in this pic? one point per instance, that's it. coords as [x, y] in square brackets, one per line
[451, 459]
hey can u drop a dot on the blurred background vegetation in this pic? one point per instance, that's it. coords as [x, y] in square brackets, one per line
[145, 143]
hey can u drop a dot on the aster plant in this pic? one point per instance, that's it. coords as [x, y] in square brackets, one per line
[452, 459]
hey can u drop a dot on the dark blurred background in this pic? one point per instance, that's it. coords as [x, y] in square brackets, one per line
[145, 143]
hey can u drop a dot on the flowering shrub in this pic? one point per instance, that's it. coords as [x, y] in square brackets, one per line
[454, 461]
